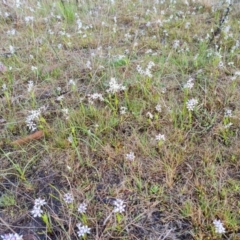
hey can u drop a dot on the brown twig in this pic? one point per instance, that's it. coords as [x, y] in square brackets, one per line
[37, 135]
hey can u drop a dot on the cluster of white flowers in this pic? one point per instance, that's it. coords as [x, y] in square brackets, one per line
[11, 32]
[82, 230]
[65, 112]
[95, 96]
[158, 108]
[11, 49]
[11, 236]
[130, 156]
[149, 115]
[228, 125]
[220, 64]
[34, 68]
[236, 75]
[114, 87]
[30, 86]
[189, 84]
[4, 87]
[29, 19]
[160, 137]
[71, 82]
[32, 118]
[37, 211]
[176, 44]
[191, 104]
[119, 206]
[147, 72]
[228, 113]
[60, 98]
[219, 226]
[70, 139]
[123, 110]
[88, 65]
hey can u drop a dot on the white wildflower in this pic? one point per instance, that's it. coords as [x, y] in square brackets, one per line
[114, 87]
[150, 65]
[187, 24]
[219, 226]
[220, 64]
[88, 65]
[191, 104]
[82, 208]
[149, 51]
[11, 236]
[123, 110]
[149, 115]
[65, 113]
[228, 113]
[60, 98]
[33, 68]
[95, 96]
[11, 49]
[32, 118]
[160, 137]
[59, 89]
[4, 87]
[70, 139]
[68, 198]
[176, 44]
[30, 86]
[140, 70]
[119, 206]
[130, 156]
[147, 72]
[37, 211]
[82, 230]
[71, 82]
[11, 32]
[39, 202]
[29, 19]
[189, 84]
[237, 73]
[228, 125]
[158, 108]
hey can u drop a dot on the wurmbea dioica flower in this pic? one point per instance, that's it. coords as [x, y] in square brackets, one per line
[160, 137]
[37, 211]
[32, 118]
[11, 236]
[82, 229]
[191, 104]
[82, 208]
[119, 206]
[130, 156]
[123, 110]
[68, 198]
[114, 87]
[189, 84]
[158, 108]
[147, 72]
[219, 226]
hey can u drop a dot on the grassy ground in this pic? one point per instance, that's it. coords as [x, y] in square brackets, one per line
[131, 100]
